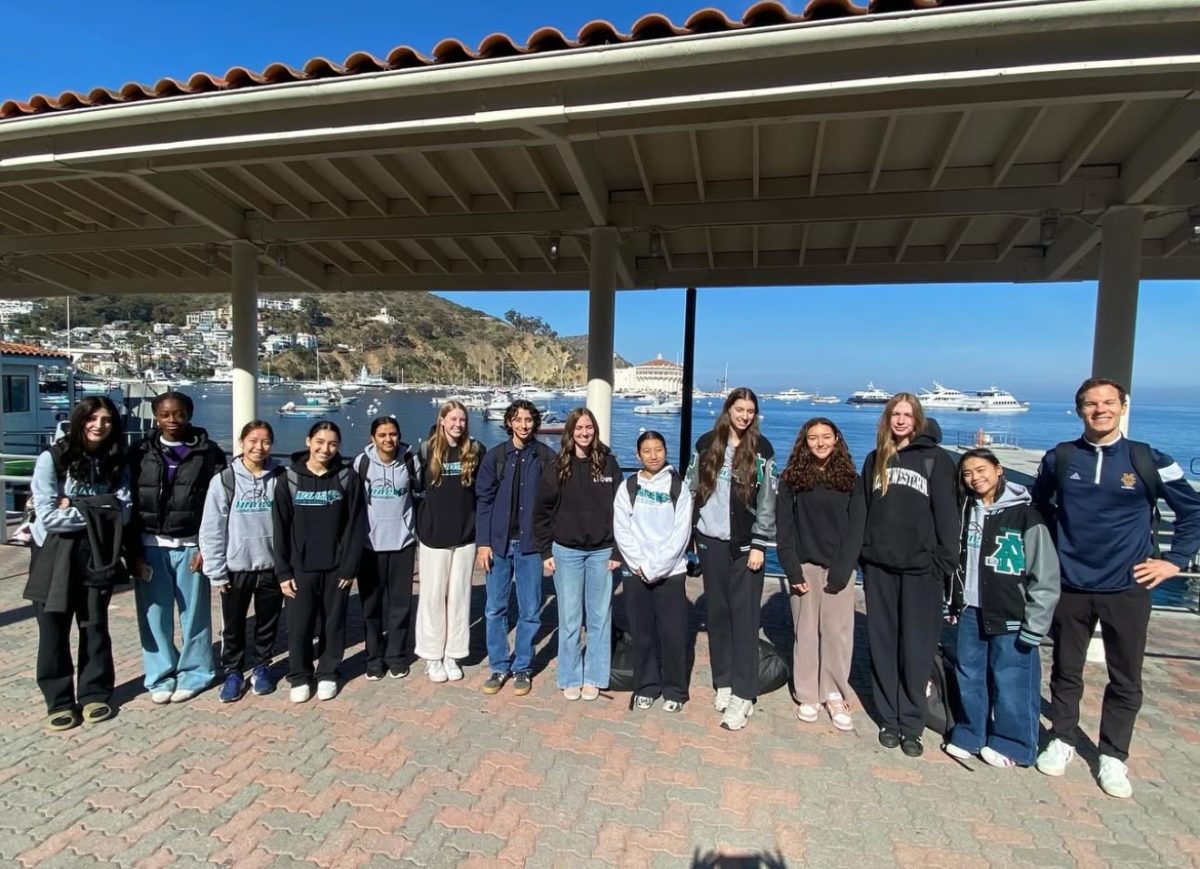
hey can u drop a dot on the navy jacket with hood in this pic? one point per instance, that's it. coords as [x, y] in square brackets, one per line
[323, 525]
[494, 494]
[913, 529]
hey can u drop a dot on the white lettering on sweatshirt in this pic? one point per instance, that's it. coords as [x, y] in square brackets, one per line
[909, 478]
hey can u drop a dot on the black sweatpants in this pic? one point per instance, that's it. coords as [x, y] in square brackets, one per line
[904, 624]
[385, 587]
[262, 588]
[1124, 618]
[733, 596]
[658, 628]
[318, 604]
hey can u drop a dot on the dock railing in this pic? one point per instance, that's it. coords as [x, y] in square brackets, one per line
[993, 440]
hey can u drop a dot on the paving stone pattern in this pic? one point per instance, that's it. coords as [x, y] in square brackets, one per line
[409, 772]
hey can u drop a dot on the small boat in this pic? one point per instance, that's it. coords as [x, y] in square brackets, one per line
[825, 399]
[496, 408]
[871, 395]
[310, 410]
[792, 395]
[665, 407]
[552, 424]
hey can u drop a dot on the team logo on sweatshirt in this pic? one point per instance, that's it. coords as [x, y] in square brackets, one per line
[452, 469]
[318, 498]
[252, 505]
[909, 478]
[1009, 557]
[1128, 480]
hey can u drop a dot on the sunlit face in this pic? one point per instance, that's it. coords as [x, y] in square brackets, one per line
[821, 440]
[454, 423]
[522, 425]
[1101, 410]
[902, 421]
[653, 454]
[981, 477]
[741, 414]
[171, 418]
[256, 445]
[96, 427]
[584, 432]
[323, 446]
[385, 438]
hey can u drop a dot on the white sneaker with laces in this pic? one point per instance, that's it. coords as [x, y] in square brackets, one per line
[436, 671]
[808, 713]
[1114, 777]
[300, 693]
[721, 701]
[1054, 759]
[453, 672]
[738, 713]
[183, 695]
[326, 689]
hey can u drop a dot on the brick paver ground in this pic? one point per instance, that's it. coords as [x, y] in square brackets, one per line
[402, 771]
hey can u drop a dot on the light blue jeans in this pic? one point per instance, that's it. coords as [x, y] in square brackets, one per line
[174, 582]
[582, 581]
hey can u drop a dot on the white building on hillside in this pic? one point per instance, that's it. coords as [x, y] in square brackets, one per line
[656, 375]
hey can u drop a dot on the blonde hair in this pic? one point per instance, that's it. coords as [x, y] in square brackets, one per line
[885, 441]
[439, 447]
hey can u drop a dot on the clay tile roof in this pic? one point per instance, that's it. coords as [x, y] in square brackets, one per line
[767, 13]
[658, 363]
[14, 349]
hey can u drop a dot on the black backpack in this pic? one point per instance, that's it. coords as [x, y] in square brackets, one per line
[941, 695]
[345, 478]
[631, 486]
[1141, 456]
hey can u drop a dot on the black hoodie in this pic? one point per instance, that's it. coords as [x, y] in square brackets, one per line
[914, 527]
[577, 513]
[320, 522]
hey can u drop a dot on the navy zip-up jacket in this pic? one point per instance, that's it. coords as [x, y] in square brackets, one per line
[1102, 520]
[493, 497]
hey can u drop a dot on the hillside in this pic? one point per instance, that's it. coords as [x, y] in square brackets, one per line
[431, 339]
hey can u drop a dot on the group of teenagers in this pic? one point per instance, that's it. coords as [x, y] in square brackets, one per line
[1008, 565]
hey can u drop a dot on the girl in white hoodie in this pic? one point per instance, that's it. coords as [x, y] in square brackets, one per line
[652, 526]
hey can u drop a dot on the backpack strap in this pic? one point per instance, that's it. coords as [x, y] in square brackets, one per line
[631, 486]
[1142, 458]
[410, 465]
[293, 482]
[1062, 464]
[346, 477]
[228, 483]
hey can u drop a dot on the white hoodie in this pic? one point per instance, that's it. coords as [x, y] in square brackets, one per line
[653, 538]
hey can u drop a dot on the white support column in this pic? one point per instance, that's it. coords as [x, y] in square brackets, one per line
[244, 302]
[1117, 296]
[602, 297]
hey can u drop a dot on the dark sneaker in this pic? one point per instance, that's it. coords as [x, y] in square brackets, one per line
[889, 738]
[398, 671]
[231, 688]
[494, 683]
[911, 746]
[522, 684]
[262, 681]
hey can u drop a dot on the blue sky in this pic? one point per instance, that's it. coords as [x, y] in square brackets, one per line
[1033, 339]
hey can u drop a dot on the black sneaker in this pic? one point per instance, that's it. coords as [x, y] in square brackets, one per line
[494, 683]
[889, 738]
[911, 745]
[399, 671]
[522, 684]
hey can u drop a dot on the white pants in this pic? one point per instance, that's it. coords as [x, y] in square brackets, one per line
[444, 605]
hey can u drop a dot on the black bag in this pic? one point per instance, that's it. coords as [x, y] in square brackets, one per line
[774, 670]
[941, 695]
[620, 677]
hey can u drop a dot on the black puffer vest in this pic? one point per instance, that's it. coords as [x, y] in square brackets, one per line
[175, 511]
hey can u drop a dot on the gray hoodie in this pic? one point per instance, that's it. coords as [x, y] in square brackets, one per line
[238, 539]
[390, 512]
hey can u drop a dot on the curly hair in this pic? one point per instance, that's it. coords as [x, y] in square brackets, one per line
[439, 448]
[745, 457]
[598, 452]
[109, 454]
[804, 472]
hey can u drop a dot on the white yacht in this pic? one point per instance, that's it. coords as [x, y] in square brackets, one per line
[871, 395]
[663, 407]
[825, 399]
[497, 407]
[996, 400]
[534, 393]
[792, 395]
[944, 398]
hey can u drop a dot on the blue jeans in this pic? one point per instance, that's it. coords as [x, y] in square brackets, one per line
[527, 571]
[172, 582]
[582, 581]
[998, 686]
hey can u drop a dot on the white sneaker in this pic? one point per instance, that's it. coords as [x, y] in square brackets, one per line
[161, 697]
[954, 751]
[808, 713]
[721, 701]
[453, 671]
[1053, 761]
[994, 758]
[1114, 777]
[436, 671]
[183, 695]
[326, 689]
[738, 713]
[300, 693]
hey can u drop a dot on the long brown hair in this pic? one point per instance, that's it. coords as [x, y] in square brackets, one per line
[885, 443]
[745, 457]
[598, 452]
[439, 447]
[804, 473]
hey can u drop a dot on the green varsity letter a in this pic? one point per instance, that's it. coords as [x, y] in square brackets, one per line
[1009, 557]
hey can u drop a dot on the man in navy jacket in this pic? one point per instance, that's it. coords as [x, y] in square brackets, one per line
[1100, 505]
[505, 495]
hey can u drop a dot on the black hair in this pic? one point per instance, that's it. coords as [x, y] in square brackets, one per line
[650, 435]
[519, 405]
[257, 423]
[325, 425]
[189, 406]
[76, 458]
[964, 491]
[384, 420]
